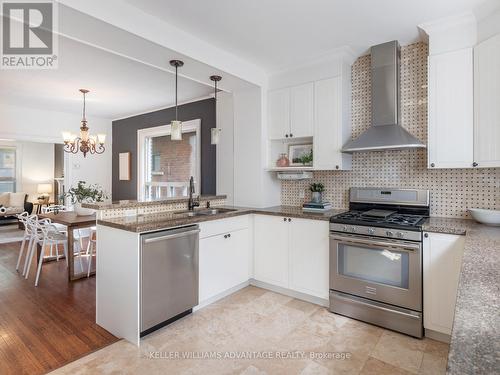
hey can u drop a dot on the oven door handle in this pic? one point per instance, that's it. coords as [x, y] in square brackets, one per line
[376, 243]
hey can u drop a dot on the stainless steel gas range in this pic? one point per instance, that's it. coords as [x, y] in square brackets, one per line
[376, 258]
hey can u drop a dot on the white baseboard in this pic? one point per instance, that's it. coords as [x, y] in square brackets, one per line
[219, 296]
[291, 293]
[438, 336]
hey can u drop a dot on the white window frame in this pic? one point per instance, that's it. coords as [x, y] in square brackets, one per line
[159, 131]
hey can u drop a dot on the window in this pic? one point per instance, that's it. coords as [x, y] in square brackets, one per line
[165, 166]
[7, 169]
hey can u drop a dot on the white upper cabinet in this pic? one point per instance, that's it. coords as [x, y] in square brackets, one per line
[278, 111]
[301, 110]
[317, 112]
[290, 112]
[450, 105]
[487, 103]
[332, 126]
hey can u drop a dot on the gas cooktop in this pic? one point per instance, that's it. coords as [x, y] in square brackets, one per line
[386, 219]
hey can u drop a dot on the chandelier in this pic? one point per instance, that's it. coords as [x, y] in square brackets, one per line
[85, 143]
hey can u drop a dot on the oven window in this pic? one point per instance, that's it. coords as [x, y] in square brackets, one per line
[372, 264]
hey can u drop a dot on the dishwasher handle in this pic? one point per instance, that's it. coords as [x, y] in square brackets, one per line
[171, 236]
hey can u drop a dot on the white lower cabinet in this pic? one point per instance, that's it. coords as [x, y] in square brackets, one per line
[292, 253]
[224, 260]
[271, 242]
[442, 260]
[309, 250]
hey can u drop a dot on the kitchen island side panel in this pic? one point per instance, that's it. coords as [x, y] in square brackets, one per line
[117, 282]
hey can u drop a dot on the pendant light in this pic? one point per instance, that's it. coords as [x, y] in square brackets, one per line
[84, 142]
[215, 132]
[176, 125]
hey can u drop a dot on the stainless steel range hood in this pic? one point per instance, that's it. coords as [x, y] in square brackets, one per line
[385, 132]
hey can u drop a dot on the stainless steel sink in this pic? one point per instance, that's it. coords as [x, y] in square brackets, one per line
[206, 212]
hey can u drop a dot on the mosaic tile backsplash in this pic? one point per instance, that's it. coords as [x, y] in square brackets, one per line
[453, 191]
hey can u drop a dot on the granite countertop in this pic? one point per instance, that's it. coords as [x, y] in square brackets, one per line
[475, 337]
[152, 222]
[134, 203]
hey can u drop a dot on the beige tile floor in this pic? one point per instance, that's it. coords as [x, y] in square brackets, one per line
[261, 323]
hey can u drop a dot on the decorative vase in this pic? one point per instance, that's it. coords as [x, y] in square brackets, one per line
[317, 197]
[82, 211]
[283, 161]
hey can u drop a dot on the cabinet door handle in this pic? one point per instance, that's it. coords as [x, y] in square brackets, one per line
[289, 219]
[286, 135]
[433, 165]
[426, 235]
[284, 219]
[475, 164]
[291, 135]
[229, 235]
[225, 236]
[337, 167]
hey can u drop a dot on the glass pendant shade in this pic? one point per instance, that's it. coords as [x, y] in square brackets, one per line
[176, 125]
[101, 138]
[215, 136]
[176, 131]
[67, 137]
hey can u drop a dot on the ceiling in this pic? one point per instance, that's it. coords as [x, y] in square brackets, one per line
[118, 86]
[280, 34]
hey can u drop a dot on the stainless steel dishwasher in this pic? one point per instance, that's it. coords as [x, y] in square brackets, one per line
[169, 276]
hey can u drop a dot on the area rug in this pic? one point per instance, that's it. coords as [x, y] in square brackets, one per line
[10, 233]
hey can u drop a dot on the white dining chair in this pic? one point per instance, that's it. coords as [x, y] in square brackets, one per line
[23, 219]
[91, 247]
[35, 233]
[49, 236]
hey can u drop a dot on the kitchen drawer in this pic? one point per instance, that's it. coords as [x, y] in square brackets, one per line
[222, 226]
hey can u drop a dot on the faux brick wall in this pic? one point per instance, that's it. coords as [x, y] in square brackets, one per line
[176, 159]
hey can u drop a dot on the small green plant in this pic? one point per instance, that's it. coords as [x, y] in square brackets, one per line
[317, 187]
[307, 159]
[82, 193]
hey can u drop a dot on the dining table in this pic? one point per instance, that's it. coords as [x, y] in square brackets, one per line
[73, 222]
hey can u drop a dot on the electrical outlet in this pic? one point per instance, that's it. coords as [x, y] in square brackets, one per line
[302, 194]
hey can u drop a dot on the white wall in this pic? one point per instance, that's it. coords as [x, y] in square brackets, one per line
[34, 165]
[253, 186]
[38, 125]
[225, 148]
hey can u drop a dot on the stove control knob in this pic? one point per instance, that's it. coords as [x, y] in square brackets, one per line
[400, 234]
[389, 233]
[371, 231]
[353, 229]
[344, 228]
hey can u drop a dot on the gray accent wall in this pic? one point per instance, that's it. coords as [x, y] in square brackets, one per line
[125, 140]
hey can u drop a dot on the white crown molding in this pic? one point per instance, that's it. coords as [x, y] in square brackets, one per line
[450, 33]
[448, 23]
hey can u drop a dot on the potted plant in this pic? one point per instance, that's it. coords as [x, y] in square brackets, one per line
[317, 190]
[85, 194]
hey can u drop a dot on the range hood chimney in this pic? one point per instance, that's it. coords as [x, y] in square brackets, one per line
[385, 132]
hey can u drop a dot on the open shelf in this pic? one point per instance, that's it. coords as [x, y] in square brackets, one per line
[289, 169]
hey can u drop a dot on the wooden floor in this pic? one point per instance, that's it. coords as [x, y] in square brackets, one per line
[45, 327]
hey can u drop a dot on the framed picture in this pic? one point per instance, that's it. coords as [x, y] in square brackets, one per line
[124, 166]
[300, 155]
